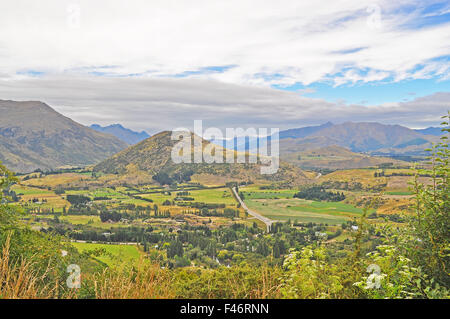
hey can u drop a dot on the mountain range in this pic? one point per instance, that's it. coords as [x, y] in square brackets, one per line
[303, 131]
[336, 157]
[128, 136]
[33, 135]
[360, 137]
[367, 137]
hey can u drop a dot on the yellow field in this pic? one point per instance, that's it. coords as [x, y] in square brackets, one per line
[27, 194]
[55, 180]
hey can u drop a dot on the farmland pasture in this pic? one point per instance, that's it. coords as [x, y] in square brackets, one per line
[214, 196]
[275, 194]
[277, 204]
[55, 180]
[304, 210]
[116, 255]
[93, 221]
[399, 193]
[25, 190]
[211, 196]
[45, 199]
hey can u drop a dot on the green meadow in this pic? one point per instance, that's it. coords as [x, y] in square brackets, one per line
[270, 194]
[213, 196]
[300, 210]
[399, 193]
[93, 221]
[116, 255]
[24, 190]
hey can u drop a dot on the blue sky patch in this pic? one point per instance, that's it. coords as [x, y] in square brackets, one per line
[371, 93]
[33, 73]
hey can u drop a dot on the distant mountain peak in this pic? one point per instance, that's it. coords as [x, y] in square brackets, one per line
[125, 134]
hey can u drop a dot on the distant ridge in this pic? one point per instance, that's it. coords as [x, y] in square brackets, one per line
[303, 131]
[436, 131]
[254, 141]
[367, 137]
[33, 135]
[360, 137]
[128, 136]
[336, 157]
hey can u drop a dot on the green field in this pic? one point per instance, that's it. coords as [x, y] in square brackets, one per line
[399, 193]
[304, 211]
[101, 192]
[214, 196]
[116, 255]
[24, 190]
[93, 221]
[269, 194]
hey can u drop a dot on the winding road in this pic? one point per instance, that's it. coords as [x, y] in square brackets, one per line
[265, 220]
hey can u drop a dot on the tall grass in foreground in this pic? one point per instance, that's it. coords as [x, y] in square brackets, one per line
[306, 274]
[147, 281]
[21, 280]
[18, 280]
[243, 282]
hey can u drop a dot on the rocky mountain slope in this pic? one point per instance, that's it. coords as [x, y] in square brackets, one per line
[33, 135]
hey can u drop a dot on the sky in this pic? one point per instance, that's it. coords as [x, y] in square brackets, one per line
[157, 65]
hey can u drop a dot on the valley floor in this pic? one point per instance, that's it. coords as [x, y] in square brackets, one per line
[195, 240]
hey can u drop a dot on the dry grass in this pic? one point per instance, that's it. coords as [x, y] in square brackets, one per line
[232, 283]
[54, 181]
[20, 281]
[146, 282]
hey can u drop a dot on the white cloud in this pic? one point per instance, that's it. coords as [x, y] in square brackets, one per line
[138, 48]
[165, 104]
[305, 41]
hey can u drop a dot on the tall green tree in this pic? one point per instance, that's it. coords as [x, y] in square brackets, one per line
[8, 213]
[430, 228]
